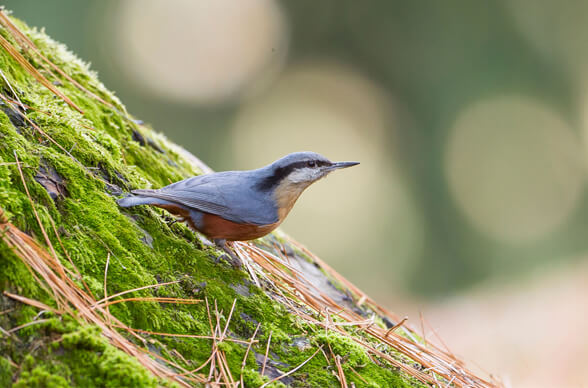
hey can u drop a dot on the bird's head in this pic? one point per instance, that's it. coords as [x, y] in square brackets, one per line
[299, 170]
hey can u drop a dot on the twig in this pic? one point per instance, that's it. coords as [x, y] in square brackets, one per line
[30, 302]
[35, 73]
[226, 371]
[342, 378]
[186, 373]
[12, 90]
[269, 340]
[96, 304]
[7, 333]
[238, 341]
[200, 367]
[396, 326]
[17, 328]
[249, 346]
[105, 283]
[326, 358]
[229, 319]
[213, 334]
[243, 257]
[8, 310]
[152, 299]
[357, 374]
[293, 370]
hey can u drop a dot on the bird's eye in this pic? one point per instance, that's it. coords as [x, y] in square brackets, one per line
[311, 163]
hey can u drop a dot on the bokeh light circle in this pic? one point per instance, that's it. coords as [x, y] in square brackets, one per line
[204, 51]
[514, 168]
[331, 109]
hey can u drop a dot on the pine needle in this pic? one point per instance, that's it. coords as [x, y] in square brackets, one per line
[396, 326]
[249, 347]
[293, 370]
[152, 299]
[238, 341]
[105, 283]
[17, 328]
[101, 301]
[269, 340]
[342, 377]
[34, 72]
[30, 302]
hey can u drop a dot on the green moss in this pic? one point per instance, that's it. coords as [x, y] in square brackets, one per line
[40, 377]
[6, 372]
[81, 357]
[251, 378]
[92, 361]
[93, 156]
[352, 353]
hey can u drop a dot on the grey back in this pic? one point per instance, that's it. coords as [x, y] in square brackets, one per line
[229, 194]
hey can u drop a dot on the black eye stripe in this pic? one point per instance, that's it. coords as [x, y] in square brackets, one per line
[307, 163]
[282, 172]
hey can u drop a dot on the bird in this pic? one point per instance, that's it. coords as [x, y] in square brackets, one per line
[239, 205]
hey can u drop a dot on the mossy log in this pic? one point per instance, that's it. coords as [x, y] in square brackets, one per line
[64, 159]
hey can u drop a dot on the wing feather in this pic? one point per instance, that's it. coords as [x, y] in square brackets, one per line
[230, 197]
[200, 201]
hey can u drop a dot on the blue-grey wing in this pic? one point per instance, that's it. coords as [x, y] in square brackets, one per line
[226, 194]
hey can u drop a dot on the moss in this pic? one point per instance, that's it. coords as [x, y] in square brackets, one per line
[80, 357]
[252, 378]
[92, 361]
[95, 156]
[40, 377]
[353, 354]
[6, 371]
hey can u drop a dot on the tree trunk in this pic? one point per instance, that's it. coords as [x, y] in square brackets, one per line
[96, 295]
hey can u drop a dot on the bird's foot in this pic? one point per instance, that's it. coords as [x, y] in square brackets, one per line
[234, 259]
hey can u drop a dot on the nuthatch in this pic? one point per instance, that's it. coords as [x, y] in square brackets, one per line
[239, 205]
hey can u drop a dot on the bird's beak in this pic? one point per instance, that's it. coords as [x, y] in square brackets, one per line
[338, 165]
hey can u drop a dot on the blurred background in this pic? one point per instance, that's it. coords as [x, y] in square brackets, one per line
[470, 120]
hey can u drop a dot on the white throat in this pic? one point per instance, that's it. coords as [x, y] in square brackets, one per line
[304, 175]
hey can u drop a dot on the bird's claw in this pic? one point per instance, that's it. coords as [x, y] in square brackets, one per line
[234, 260]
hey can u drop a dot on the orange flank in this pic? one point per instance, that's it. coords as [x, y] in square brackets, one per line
[217, 227]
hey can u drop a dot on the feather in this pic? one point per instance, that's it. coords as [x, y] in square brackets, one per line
[226, 194]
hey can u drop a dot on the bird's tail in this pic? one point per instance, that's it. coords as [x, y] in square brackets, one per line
[133, 200]
[140, 197]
